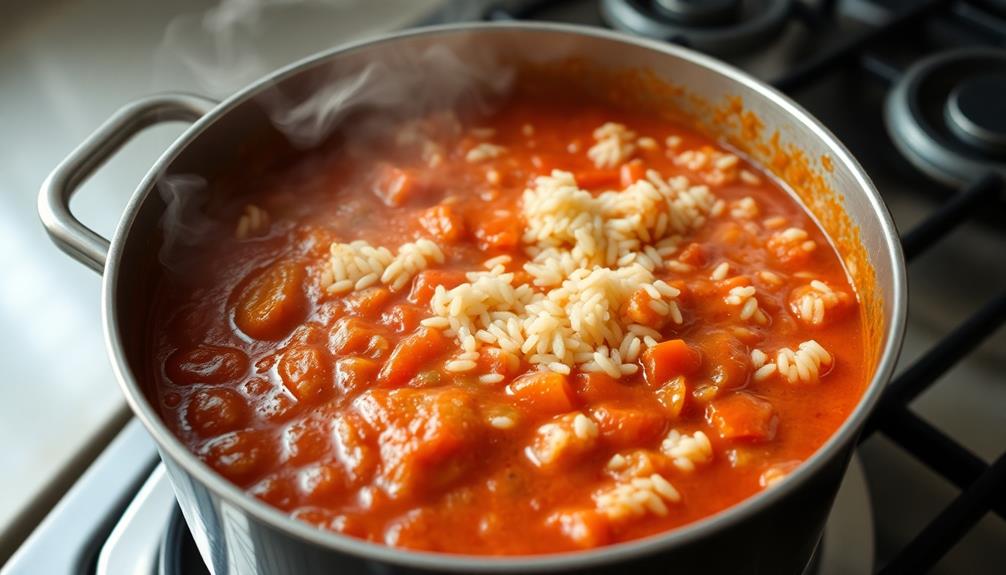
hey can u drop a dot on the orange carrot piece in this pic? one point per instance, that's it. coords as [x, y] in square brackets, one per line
[743, 416]
[411, 354]
[545, 391]
[497, 232]
[590, 179]
[669, 359]
[426, 283]
[273, 302]
[444, 223]
[393, 185]
[627, 427]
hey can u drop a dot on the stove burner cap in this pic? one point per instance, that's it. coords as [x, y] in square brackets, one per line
[698, 12]
[945, 114]
[711, 26]
[976, 114]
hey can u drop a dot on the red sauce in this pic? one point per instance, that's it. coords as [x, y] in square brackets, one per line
[338, 409]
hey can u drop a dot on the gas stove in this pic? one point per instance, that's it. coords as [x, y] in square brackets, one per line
[916, 90]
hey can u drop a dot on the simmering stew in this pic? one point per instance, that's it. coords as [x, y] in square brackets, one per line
[556, 327]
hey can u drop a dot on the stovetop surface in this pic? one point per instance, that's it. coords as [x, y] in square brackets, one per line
[948, 283]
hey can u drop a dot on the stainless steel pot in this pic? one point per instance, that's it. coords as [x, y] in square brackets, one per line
[772, 532]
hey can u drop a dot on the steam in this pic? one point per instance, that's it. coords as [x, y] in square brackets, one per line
[218, 51]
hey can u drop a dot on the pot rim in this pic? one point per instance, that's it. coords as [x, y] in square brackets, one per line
[171, 446]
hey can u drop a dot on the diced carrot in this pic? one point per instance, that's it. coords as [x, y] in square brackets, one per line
[595, 386]
[272, 302]
[426, 283]
[669, 359]
[368, 302]
[206, 364]
[693, 254]
[304, 370]
[590, 179]
[393, 185]
[216, 411]
[353, 374]
[352, 336]
[743, 416]
[240, 456]
[410, 355]
[444, 223]
[545, 391]
[728, 359]
[631, 172]
[494, 360]
[628, 427]
[638, 310]
[501, 232]
[403, 317]
[672, 396]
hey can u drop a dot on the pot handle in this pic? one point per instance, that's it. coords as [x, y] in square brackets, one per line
[66, 231]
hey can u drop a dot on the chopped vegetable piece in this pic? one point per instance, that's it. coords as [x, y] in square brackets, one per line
[744, 417]
[305, 372]
[206, 364]
[411, 354]
[544, 391]
[444, 223]
[394, 186]
[628, 427]
[669, 359]
[426, 283]
[272, 302]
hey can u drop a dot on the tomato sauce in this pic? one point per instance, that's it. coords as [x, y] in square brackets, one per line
[337, 408]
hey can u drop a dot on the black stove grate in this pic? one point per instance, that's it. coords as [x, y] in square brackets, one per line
[981, 485]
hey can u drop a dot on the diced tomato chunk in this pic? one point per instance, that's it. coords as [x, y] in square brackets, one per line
[411, 354]
[631, 172]
[638, 310]
[206, 364]
[426, 436]
[495, 360]
[444, 223]
[672, 396]
[404, 317]
[596, 386]
[628, 427]
[694, 255]
[743, 416]
[497, 231]
[304, 370]
[546, 392]
[368, 302]
[240, 456]
[353, 374]
[216, 411]
[728, 360]
[426, 283]
[307, 440]
[354, 336]
[393, 185]
[591, 179]
[272, 302]
[669, 359]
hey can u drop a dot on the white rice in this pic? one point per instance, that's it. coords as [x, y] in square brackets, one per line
[357, 265]
[803, 365]
[614, 145]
